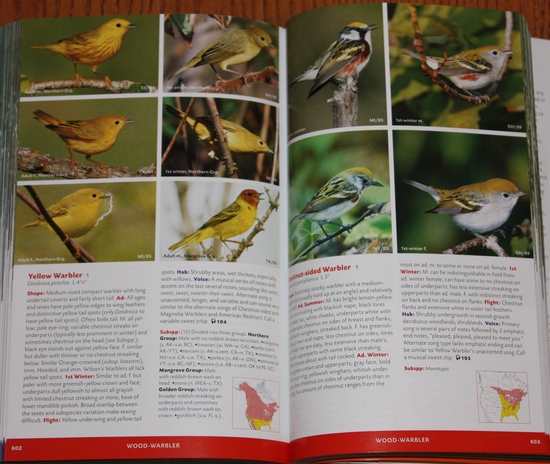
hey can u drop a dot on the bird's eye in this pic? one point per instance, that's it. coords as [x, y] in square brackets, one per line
[506, 195]
[118, 25]
[117, 122]
[261, 142]
[495, 52]
[94, 195]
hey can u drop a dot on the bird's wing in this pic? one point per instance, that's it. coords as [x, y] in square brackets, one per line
[222, 49]
[75, 130]
[81, 39]
[460, 203]
[57, 211]
[341, 55]
[331, 194]
[224, 215]
[460, 66]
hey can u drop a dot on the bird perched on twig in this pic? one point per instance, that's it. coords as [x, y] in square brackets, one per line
[477, 208]
[239, 139]
[93, 47]
[90, 137]
[337, 196]
[471, 69]
[76, 214]
[344, 59]
[230, 49]
[231, 221]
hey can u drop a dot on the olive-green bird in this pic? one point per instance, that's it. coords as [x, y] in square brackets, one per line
[231, 49]
[239, 139]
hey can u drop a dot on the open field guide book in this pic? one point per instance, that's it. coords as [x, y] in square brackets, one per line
[226, 240]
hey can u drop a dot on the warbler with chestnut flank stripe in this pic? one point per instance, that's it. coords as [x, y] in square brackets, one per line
[478, 208]
[231, 221]
[93, 47]
[90, 137]
[234, 48]
[471, 69]
[337, 196]
[344, 59]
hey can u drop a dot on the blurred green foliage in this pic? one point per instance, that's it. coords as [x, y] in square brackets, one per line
[313, 162]
[450, 160]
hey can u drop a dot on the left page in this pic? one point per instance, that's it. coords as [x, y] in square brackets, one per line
[146, 316]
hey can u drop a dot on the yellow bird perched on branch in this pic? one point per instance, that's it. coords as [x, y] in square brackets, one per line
[93, 47]
[76, 214]
[231, 49]
[239, 139]
[90, 137]
[231, 221]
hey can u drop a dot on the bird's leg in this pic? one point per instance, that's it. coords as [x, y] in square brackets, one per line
[73, 162]
[76, 75]
[108, 81]
[102, 166]
[216, 73]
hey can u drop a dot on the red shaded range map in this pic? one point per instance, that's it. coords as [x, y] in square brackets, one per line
[258, 413]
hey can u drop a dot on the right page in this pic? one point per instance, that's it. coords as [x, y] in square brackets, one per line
[416, 309]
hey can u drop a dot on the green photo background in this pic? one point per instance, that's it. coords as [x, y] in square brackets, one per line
[137, 59]
[136, 144]
[123, 235]
[448, 161]
[313, 162]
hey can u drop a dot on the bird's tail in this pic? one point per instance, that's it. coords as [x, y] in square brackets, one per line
[46, 118]
[426, 188]
[184, 244]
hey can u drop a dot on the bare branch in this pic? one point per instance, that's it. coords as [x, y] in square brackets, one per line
[225, 156]
[269, 75]
[247, 242]
[44, 165]
[490, 241]
[85, 82]
[371, 211]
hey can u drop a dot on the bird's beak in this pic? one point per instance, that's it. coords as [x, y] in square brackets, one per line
[131, 26]
[372, 27]
[106, 195]
[507, 52]
[259, 196]
[128, 121]
[376, 183]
